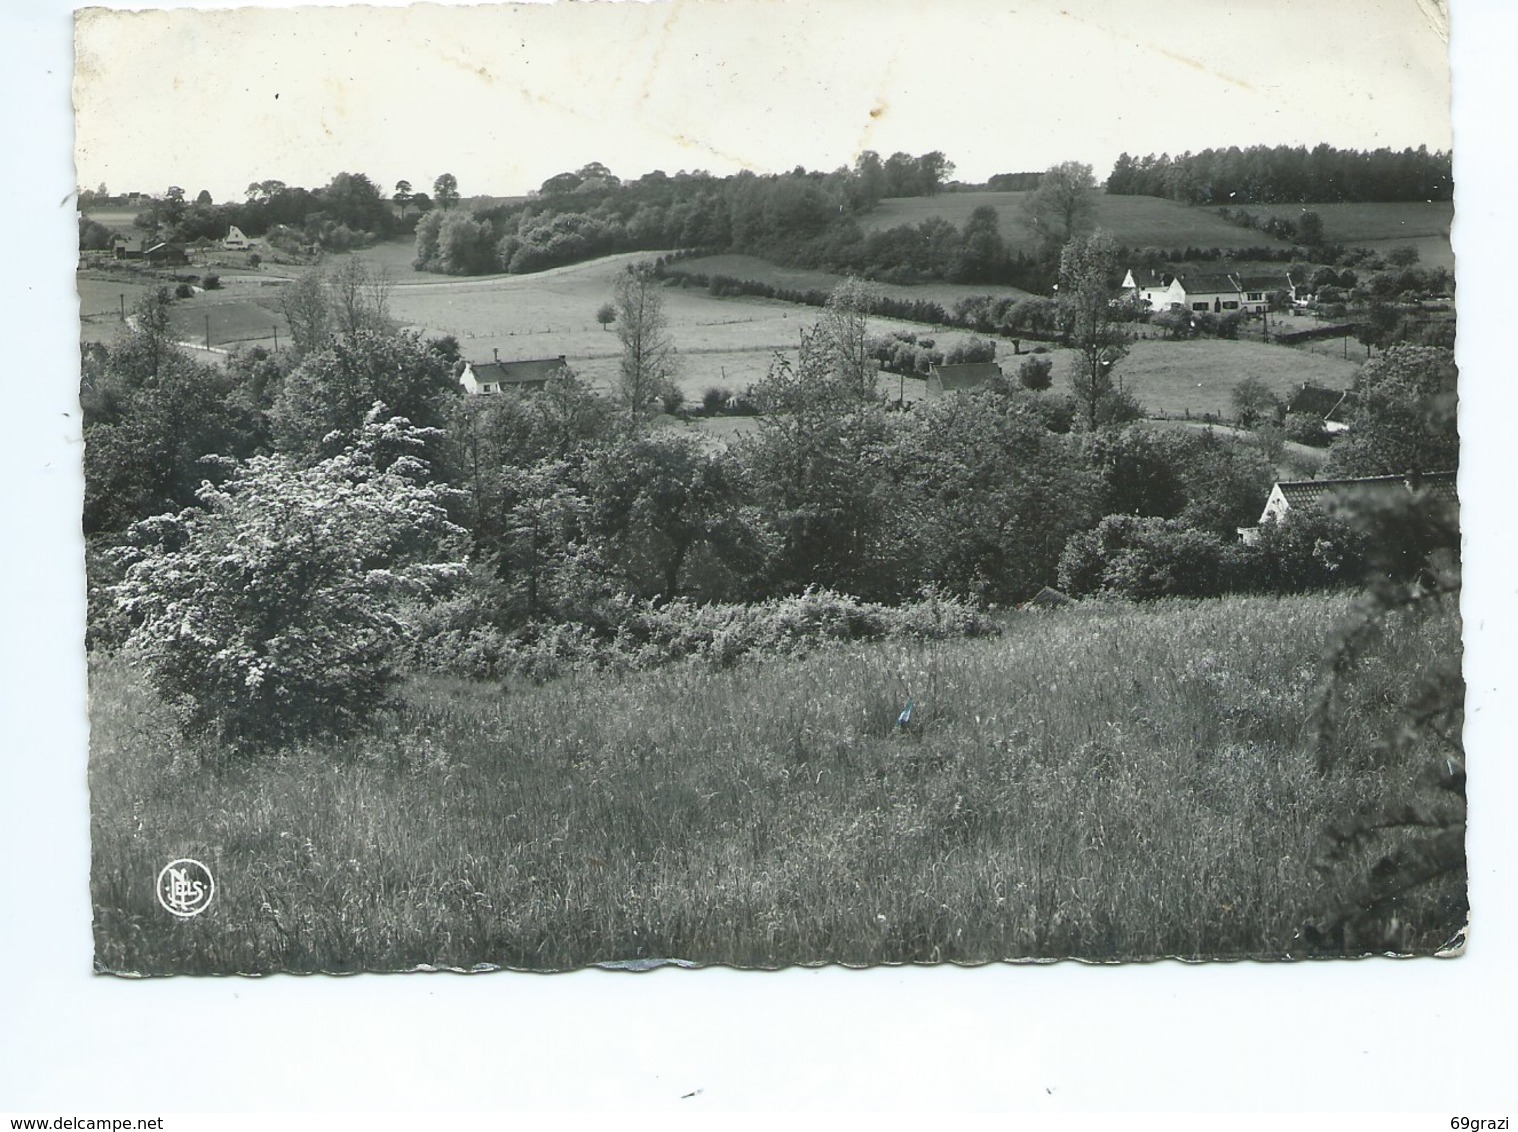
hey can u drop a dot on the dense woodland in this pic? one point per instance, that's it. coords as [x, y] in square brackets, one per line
[1261, 174]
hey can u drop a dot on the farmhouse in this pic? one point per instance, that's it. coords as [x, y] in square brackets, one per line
[1204, 291]
[1326, 494]
[235, 241]
[965, 375]
[496, 376]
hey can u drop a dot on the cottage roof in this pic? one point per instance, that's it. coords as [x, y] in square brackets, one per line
[1149, 277]
[1263, 282]
[1208, 283]
[1314, 400]
[519, 372]
[1309, 493]
[965, 375]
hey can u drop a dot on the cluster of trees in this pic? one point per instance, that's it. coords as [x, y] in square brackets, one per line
[904, 352]
[801, 218]
[348, 211]
[1263, 174]
[1305, 228]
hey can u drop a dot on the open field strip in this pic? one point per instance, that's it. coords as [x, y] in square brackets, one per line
[805, 279]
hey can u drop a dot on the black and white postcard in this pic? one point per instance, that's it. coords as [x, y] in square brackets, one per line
[761, 485]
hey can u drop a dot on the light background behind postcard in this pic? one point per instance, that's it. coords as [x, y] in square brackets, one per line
[1424, 1034]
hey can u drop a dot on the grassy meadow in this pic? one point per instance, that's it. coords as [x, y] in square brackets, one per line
[1198, 375]
[1111, 781]
[728, 342]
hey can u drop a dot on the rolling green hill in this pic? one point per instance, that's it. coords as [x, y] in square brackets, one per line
[1140, 221]
[1133, 221]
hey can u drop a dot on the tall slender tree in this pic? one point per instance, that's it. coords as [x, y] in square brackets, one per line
[647, 352]
[1092, 319]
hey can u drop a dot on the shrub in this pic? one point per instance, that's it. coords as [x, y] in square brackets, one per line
[671, 400]
[254, 259]
[184, 291]
[715, 399]
[1306, 428]
[1036, 373]
[1306, 550]
[463, 638]
[212, 283]
[1126, 556]
[271, 613]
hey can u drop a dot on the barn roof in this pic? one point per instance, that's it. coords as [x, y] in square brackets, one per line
[965, 375]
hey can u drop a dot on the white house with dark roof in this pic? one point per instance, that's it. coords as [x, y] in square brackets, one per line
[1214, 292]
[496, 376]
[1289, 494]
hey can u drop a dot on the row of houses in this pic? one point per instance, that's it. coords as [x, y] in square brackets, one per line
[1213, 292]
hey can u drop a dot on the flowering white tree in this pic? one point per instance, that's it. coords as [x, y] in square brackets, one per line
[273, 610]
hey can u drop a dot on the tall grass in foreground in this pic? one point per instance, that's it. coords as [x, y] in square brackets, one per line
[1111, 782]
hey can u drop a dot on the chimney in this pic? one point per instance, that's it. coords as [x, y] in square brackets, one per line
[496, 350]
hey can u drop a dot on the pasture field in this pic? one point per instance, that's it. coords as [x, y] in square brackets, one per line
[1110, 781]
[1384, 225]
[101, 301]
[117, 220]
[724, 342]
[1198, 376]
[1133, 221]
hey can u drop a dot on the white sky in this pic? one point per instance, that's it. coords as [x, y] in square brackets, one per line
[504, 96]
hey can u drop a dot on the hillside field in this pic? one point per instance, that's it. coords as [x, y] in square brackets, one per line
[800, 278]
[1133, 221]
[728, 342]
[1142, 221]
[1108, 782]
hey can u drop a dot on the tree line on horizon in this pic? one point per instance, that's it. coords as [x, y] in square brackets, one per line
[1282, 174]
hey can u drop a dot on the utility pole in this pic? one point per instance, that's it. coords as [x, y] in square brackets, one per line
[208, 333]
[276, 339]
[123, 306]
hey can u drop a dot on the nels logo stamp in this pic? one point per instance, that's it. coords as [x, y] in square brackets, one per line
[185, 887]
